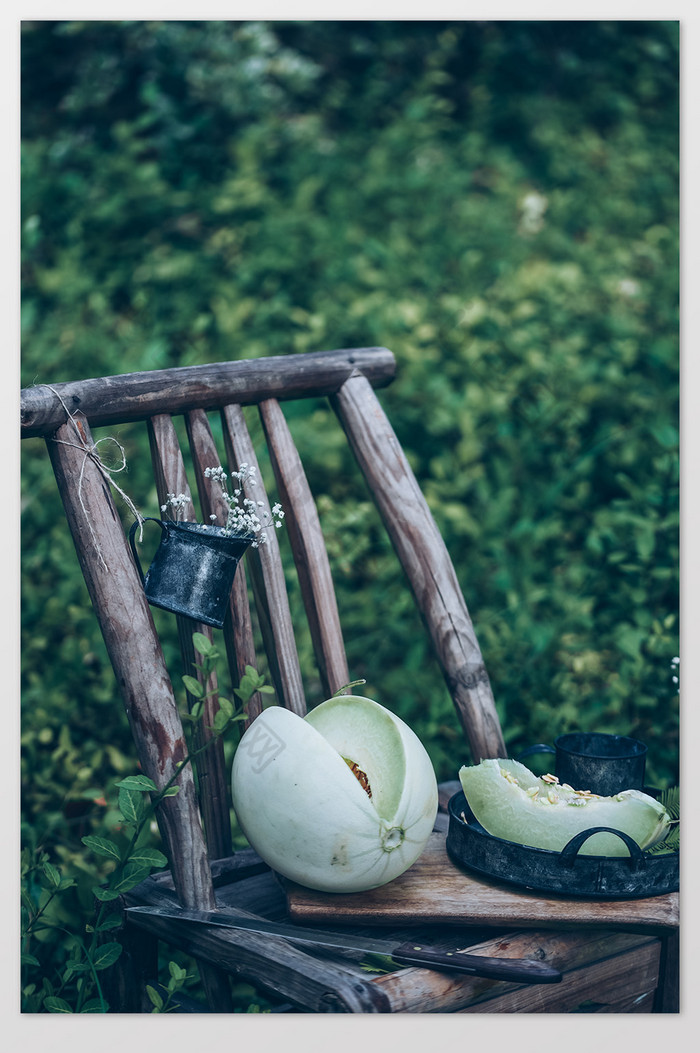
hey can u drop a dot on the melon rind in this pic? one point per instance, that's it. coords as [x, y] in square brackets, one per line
[305, 813]
[497, 793]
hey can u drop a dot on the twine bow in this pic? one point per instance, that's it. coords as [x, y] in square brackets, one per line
[91, 453]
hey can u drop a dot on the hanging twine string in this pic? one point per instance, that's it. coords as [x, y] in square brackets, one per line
[91, 453]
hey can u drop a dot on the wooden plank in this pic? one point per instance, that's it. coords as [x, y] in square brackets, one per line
[308, 548]
[270, 590]
[425, 559]
[427, 991]
[612, 986]
[212, 783]
[137, 659]
[436, 890]
[137, 396]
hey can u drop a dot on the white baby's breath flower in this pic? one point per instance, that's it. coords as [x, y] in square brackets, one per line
[177, 503]
[245, 516]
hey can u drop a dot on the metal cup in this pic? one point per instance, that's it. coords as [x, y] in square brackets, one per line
[602, 763]
[596, 761]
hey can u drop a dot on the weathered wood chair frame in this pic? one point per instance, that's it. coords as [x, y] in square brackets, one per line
[618, 971]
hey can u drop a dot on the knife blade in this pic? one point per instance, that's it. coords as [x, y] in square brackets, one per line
[412, 952]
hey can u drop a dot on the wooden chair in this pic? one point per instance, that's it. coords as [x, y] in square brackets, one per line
[605, 969]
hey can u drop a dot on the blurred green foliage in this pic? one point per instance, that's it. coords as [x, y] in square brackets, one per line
[497, 202]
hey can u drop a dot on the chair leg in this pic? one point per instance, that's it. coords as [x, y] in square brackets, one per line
[667, 998]
[124, 983]
[217, 987]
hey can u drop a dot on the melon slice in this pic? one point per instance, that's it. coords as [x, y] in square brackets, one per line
[512, 803]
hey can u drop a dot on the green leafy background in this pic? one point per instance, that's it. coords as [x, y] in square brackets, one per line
[497, 202]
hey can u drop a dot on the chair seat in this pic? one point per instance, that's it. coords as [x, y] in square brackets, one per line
[601, 971]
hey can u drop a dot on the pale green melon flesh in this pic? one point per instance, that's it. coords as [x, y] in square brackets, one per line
[364, 732]
[510, 802]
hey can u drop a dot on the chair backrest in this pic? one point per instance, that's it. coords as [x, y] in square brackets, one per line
[65, 413]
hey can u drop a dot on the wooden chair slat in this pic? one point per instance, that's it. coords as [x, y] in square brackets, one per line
[137, 396]
[212, 783]
[238, 627]
[168, 464]
[308, 548]
[425, 559]
[137, 659]
[134, 648]
[270, 590]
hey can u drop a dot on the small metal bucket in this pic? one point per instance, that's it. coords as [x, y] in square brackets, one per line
[596, 761]
[193, 569]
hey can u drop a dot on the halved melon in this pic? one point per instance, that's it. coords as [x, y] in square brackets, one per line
[512, 803]
[342, 800]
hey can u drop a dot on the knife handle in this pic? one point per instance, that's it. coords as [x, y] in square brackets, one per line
[517, 970]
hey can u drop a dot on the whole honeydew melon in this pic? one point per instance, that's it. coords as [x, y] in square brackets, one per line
[512, 803]
[301, 793]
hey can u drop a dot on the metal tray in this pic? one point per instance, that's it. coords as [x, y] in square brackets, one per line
[567, 872]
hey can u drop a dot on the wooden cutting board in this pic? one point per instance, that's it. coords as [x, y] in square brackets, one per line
[436, 890]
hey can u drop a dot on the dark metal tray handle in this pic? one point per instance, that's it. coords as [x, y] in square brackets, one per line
[571, 849]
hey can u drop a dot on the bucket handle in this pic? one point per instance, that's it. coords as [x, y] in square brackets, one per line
[147, 519]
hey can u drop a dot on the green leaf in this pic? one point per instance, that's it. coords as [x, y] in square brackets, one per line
[52, 873]
[132, 876]
[104, 894]
[138, 782]
[54, 1004]
[154, 997]
[220, 720]
[95, 1005]
[193, 686]
[670, 799]
[131, 804]
[246, 688]
[172, 791]
[379, 963]
[106, 955]
[202, 643]
[101, 846]
[176, 971]
[114, 922]
[148, 857]
[226, 707]
[29, 959]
